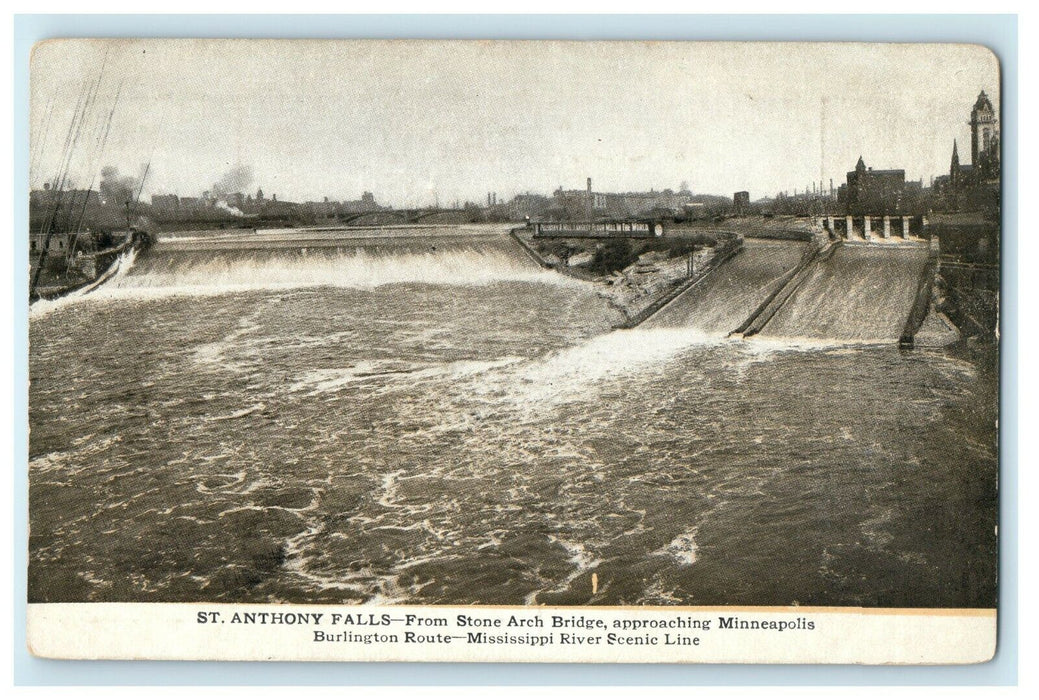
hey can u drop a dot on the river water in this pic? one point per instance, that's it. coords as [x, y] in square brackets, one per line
[446, 423]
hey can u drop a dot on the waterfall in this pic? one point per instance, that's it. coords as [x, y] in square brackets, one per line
[862, 293]
[727, 296]
[217, 267]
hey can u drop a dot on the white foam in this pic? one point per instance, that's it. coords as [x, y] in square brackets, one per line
[320, 381]
[581, 558]
[240, 414]
[771, 344]
[116, 271]
[359, 270]
[560, 376]
[682, 549]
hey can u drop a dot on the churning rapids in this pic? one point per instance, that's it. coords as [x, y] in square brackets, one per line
[429, 421]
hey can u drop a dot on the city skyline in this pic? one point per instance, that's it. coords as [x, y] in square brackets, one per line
[333, 119]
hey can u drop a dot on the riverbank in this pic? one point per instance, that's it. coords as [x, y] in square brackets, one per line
[61, 275]
[637, 277]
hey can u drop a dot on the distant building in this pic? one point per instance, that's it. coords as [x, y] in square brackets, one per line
[65, 210]
[976, 184]
[360, 206]
[574, 204]
[870, 191]
[960, 176]
[741, 202]
[57, 243]
[529, 205]
[67, 198]
[984, 138]
[168, 202]
[324, 209]
[694, 210]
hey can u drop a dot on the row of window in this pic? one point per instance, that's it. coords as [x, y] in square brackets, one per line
[57, 243]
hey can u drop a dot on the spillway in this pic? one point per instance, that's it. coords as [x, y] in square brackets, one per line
[303, 259]
[728, 296]
[857, 293]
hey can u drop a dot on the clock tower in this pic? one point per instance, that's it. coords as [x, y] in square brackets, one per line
[984, 129]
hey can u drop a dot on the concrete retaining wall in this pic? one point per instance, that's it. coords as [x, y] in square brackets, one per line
[924, 293]
[531, 253]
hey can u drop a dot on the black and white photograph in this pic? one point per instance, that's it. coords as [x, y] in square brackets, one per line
[546, 328]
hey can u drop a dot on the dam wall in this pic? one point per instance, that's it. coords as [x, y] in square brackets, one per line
[781, 293]
[854, 293]
[344, 238]
[832, 291]
[531, 253]
[314, 258]
[922, 304]
[717, 303]
[727, 251]
[776, 288]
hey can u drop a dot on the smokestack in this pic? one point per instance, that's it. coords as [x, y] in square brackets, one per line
[589, 202]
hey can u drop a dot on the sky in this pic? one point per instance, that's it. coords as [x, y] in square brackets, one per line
[424, 122]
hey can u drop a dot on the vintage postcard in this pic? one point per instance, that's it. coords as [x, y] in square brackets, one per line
[514, 351]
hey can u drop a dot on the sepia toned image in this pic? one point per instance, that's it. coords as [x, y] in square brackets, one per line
[560, 325]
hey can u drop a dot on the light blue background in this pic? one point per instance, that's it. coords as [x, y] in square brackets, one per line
[999, 32]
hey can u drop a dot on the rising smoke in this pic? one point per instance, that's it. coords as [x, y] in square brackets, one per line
[117, 189]
[237, 179]
[234, 181]
[234, 211]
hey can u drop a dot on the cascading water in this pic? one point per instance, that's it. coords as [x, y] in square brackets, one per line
[728, 295]
[860, 293]
[311, 263]
[119, 268]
